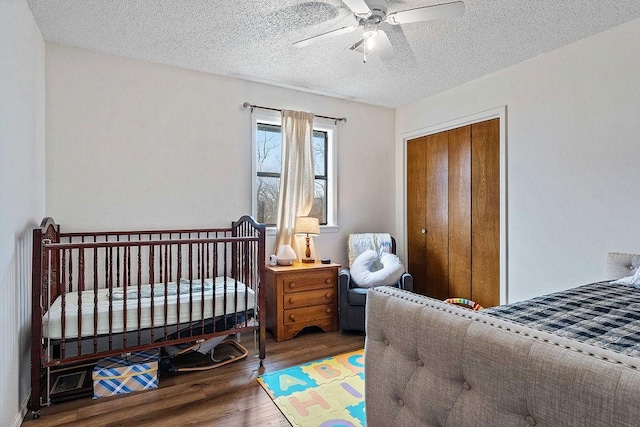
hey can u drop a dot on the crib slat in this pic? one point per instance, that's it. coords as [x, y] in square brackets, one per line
[110, 285]
[139, 288]
[166, 290]
[80, 291]
[178, 278]
[126, 278]
[203, 250]
[152, 281]
[224, 269]
[208, 245]
[95, 299]
[63, 304]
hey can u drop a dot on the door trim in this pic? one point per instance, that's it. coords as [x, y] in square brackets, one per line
[401, 196]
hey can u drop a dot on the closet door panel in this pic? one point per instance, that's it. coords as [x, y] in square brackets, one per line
[485, 213]
[460, 212]
[437, 215]
[416, 208]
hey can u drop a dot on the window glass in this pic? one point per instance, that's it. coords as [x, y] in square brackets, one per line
[268, 148]
[268, 194]
[268, 163]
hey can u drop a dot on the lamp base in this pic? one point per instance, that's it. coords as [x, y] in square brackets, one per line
[308, 260]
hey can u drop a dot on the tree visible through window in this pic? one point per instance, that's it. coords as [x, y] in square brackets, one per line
[268, 162]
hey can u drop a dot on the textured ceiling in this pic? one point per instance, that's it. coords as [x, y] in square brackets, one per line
[252, 39]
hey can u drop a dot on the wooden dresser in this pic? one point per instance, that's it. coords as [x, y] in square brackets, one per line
[300, 296]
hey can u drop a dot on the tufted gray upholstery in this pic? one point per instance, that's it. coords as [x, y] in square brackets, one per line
[621, 265]
[433, 364]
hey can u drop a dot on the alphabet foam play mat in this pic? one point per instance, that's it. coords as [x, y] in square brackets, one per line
[326, 392]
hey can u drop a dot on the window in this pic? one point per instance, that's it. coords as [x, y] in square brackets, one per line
[267, 154]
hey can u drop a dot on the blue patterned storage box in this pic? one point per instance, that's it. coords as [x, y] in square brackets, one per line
[125, 374]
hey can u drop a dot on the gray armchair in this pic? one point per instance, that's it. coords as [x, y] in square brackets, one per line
[352, 299]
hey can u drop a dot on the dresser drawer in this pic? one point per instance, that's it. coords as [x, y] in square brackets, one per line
[308, 281]
[306, 314]
[304, 299]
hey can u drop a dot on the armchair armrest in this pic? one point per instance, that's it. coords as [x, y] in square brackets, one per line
[406, 282]
[344, 283]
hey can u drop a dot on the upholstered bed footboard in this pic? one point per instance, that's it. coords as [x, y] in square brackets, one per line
[432, 364]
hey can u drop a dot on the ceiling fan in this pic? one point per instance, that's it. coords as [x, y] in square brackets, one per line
[372, 13]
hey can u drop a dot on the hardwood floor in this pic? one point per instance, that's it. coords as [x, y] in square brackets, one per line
[226, 396]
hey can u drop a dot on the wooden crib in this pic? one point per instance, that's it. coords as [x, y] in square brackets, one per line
[99, 294]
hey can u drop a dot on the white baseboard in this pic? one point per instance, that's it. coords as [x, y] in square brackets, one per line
[17, 421]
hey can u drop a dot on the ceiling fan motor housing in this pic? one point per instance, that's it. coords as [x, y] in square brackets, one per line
[378, 14]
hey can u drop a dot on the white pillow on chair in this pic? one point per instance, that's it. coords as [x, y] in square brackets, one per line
[391, 271]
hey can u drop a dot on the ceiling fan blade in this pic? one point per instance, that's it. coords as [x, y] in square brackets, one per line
[358, 46]
[328, 34]
[359, 7]
[438, 11]
[383, 46]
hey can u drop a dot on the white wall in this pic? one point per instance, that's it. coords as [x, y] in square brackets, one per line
[572, 156]
[133, 144]
[21, 194]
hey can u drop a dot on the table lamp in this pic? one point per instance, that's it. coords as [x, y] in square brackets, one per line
[308, 226]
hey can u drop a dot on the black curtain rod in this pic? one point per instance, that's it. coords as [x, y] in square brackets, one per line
[251, 106]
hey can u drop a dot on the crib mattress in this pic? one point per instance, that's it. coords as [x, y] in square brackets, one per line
[113, 315]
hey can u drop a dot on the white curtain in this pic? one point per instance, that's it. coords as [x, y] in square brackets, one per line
[296, 176]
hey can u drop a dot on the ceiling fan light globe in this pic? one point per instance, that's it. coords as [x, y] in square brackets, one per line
[370, 30]
[369, 34]
[370, 43]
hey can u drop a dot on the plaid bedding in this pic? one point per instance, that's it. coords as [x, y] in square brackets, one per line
[601, 314]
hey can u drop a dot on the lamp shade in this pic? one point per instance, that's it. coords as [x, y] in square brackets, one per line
[307, 225]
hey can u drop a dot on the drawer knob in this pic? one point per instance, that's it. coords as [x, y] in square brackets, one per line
[292, 285]
[328, 310]
[327, 295]
[327, 281]
[291, 300]
[292, 317]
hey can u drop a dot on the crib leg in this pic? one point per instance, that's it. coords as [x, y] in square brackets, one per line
[261, 363]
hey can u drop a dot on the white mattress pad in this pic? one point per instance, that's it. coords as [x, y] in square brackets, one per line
[96, 320]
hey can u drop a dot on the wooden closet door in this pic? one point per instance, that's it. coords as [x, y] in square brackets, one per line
[416, 207]
[485, 216]
[427, 214]
[437, 215]
[460, 212]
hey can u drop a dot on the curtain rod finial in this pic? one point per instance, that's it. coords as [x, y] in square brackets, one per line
[246, 105]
